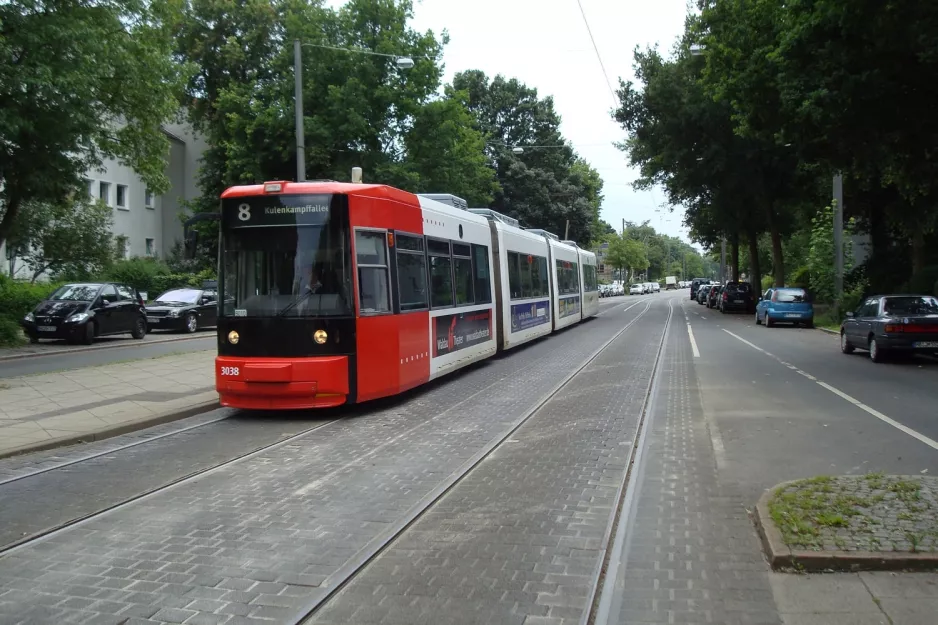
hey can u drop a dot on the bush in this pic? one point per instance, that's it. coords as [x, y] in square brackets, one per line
[139, 272]
[16, 299]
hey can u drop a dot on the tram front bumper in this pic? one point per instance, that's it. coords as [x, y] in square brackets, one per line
[282, 383]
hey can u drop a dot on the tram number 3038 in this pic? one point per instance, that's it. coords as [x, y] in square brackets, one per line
[230, 371]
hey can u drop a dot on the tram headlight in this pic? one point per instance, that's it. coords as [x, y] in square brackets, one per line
[320, 336]
[234, 337]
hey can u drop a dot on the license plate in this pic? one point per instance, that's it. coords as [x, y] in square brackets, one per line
[737, 301]
[153, 319]
[926, 344]
[47, 328]
[793, 315]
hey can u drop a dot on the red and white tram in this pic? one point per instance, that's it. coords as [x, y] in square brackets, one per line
[335, 293]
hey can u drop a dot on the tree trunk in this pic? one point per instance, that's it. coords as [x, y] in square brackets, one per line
[778, 256]
[9, 217]
[734, 261]
[918, 251]
[756, 272]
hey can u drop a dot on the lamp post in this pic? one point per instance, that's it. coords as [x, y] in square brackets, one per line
[402, 62]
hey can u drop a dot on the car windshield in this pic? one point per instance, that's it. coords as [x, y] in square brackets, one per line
[741, 287]
[296, 262]
[76, 292]
[898, 306]
[182, 296]
[791, 296]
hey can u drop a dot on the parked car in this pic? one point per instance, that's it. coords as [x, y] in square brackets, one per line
[892, 323]
[736, 296]
[702, 293]
[713, 295]
[81, 312]
[785, 305]
[655, 287]
[636, 289]
[183, 309]
[695, 285]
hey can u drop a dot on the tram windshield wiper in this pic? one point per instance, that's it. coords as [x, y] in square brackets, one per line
[296, 302]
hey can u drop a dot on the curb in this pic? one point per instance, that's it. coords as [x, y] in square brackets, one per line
[782, 557]
[112, 431]
[826, 331]
[79, 350]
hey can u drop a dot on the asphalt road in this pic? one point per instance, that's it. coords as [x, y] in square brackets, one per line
[786, 403]
[116, 349]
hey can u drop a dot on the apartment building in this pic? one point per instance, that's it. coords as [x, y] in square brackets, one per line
[148, 222]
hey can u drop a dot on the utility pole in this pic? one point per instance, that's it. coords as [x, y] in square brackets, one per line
[566, 232]
[838, 243]
[623, 226]
[723, 260]
[298, 107]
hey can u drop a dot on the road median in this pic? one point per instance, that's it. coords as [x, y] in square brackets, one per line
[82, 405]
[851, 523]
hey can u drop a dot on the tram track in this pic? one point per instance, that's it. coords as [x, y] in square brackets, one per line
[52, 530]
[356, 565]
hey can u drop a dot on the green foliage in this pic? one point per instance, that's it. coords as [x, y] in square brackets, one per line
[16, 299]
[70, 70]
[153, 276]
[924, 281]
[69, 237]
[821, 255]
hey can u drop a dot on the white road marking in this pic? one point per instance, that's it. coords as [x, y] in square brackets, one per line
[856, 402]
[693, 343]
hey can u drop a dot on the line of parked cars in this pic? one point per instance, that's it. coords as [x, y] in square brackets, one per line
[776, 305]
[82, 312]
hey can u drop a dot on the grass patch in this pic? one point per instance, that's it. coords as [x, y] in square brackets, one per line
[827, 321]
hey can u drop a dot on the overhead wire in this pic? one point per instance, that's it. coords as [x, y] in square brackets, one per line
[602, 66]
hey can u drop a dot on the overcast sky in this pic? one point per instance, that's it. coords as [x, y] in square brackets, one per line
[546, 45]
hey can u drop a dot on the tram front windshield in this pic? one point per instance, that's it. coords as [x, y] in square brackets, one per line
[289, 270]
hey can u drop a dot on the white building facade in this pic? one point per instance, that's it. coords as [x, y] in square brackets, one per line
[149, 223]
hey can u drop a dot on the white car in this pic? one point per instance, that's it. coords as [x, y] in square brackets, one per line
[636, 289]
[655, 287]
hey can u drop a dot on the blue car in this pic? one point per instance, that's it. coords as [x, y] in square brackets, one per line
[785, 305]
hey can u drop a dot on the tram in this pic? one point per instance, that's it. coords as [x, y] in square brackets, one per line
[333, 293]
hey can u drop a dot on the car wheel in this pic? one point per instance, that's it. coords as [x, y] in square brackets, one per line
[192, 324]
[87, 334]
[140, 329]
[768, 321]
[877, 354]
[758, 321]
[845, 345]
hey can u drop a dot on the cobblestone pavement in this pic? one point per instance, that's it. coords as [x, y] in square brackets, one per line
[255, 540]
[873, 512]
[691, 552]
[521, 538]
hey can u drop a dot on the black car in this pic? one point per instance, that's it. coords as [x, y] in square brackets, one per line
[82, 311]
[702, 292]
[184, 309]
[695, 284]
[737, 296]
[892, 323]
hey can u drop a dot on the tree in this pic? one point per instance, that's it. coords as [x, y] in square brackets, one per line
[81, 82]
[544, 187]
[626, 253]
[72, 236]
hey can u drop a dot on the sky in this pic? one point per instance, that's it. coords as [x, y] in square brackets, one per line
[546, 45]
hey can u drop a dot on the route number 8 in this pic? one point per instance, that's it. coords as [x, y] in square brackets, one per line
[244, 212]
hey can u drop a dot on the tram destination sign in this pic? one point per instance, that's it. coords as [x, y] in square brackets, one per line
[276, 210]
[452, 333]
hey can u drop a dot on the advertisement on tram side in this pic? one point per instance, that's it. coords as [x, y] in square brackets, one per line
[452, 333]
[569, 306]
[524, 316]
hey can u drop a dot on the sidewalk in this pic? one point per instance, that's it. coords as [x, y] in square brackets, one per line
[54, 409]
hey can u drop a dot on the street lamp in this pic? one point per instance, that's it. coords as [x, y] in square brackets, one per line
[517, 150]
[402, 62]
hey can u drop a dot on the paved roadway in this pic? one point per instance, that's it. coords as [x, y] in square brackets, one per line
[519, 538]
[105, 351]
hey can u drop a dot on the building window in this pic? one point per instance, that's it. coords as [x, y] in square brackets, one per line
[372, 255]
[104, 192]
[148, 198]
[149, 247]
[122, 196]
[411, 273]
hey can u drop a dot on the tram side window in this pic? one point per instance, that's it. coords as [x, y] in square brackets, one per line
[441, 274]
[589, 278]
[371, 252]
[411, 272]
[527, 276]
[483, 283]
[567, 278]
[462, 270]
